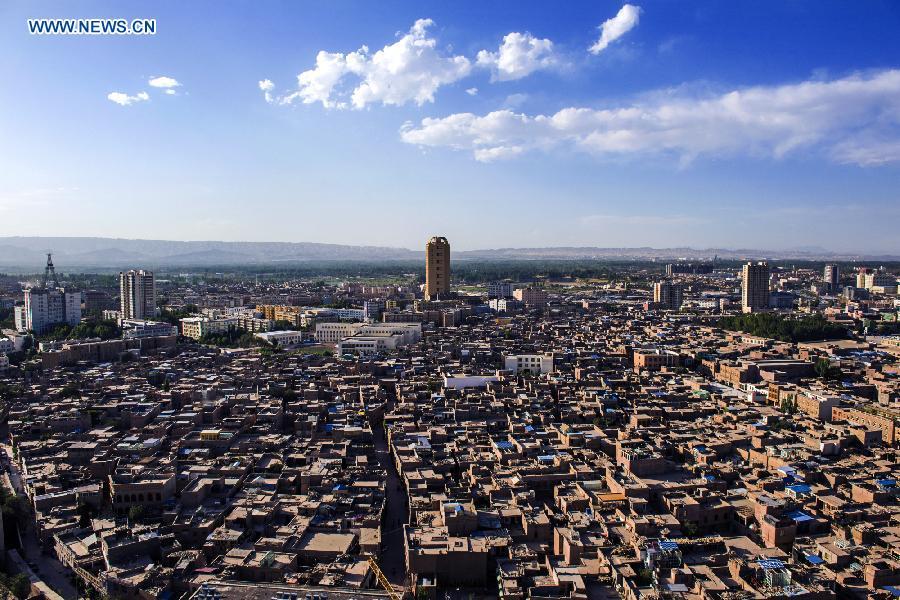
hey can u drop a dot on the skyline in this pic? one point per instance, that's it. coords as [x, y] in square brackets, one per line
[595, 124]
[21, 254]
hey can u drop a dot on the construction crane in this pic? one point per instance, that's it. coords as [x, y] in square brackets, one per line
[382, 579]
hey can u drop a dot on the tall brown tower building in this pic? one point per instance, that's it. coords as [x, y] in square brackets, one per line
[437, 268]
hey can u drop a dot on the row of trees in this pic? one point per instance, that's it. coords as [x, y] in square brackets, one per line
[173, 317]
[785, 329]
[91, 328]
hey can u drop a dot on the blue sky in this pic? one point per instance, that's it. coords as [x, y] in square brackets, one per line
[497, 124]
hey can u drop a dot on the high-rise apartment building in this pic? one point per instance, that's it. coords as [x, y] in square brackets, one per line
[832, 277]
[861, 273]
[49, 305]
[137, 295]
[437, 268]
[668, 294]
[755, 286]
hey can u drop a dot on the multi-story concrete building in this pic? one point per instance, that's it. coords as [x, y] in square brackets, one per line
[197, 327]
[755, 286]
[878, 279]
[333, 333]
[533, 363]
[373, 309]
[861, 273]
[137, 295]
[282, 339]
[20, 319]
[437, 268]
[668, 294]
[500, 289]
[654, 359]
[531, 296]
[832, 277]
[370, 344]
[48, 307]
[135, 328]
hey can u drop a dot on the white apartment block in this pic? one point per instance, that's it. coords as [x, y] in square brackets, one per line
[370, 344]
[282, 339]
[48, 307]
[333, 333]
[533, 363]
[500, 289]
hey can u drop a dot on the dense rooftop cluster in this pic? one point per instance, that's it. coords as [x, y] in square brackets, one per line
[582, 442]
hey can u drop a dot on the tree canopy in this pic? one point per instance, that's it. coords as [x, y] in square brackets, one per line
[785, 329]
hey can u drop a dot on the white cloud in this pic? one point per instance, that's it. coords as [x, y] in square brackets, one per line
[317, 85]
[170, 92]
[163, 82]
[520, 55]
[409, 70]
[612, 29]
[124, 99]
[472, 91]
[854, 120]
[267, 86]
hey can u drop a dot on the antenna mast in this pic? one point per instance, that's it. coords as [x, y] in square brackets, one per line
[50, 272]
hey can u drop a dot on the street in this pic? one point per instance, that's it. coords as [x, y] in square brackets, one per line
[396, 512]
[45, 565]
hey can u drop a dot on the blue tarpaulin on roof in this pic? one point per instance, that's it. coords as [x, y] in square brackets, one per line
[800, 488]
[813, 559]
[799, 516]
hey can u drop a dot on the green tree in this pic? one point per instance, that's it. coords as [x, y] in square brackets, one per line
[20, 586]
[16, 507]
[71, 390]
[788, 406]
[824, 369]
[135, 513]
[786, 329]
[84, 512]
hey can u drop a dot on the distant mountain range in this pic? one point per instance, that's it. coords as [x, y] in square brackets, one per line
[69, 252]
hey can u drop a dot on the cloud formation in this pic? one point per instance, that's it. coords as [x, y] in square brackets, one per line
[520, 55]
[267, 86]
[612, 29]
[854, 120]
[163, 82]
[410, 70]
[124, 99]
